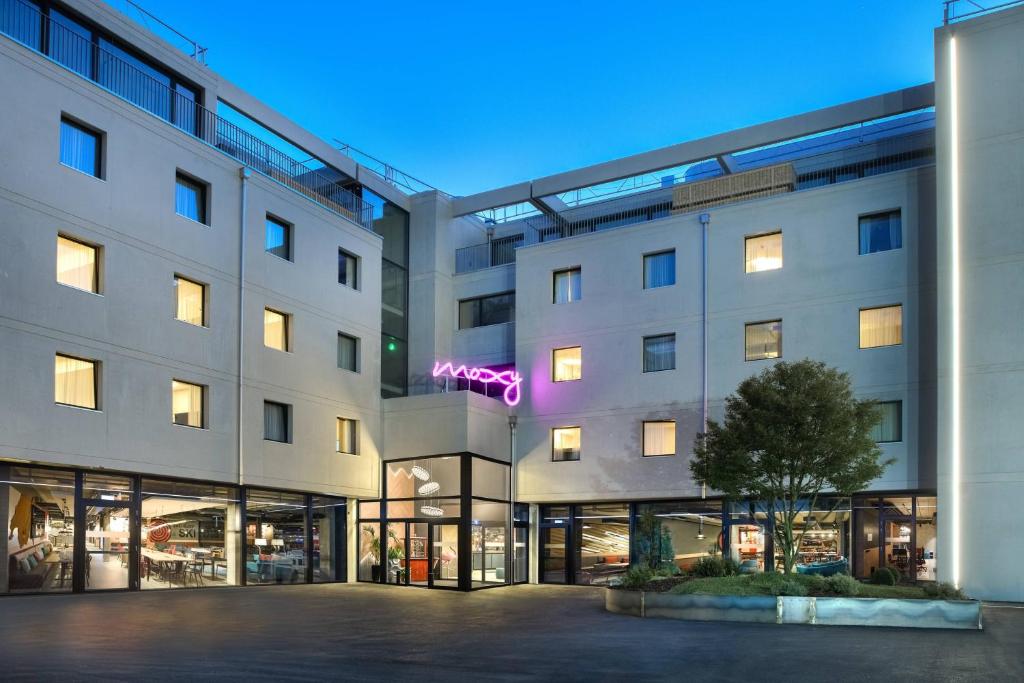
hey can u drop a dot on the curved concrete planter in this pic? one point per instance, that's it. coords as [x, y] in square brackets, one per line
[958, 614]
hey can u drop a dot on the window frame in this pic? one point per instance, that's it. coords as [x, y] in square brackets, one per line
[554, 365]
[174, 303]
[643, 274]
[761, 235]
[289, 229]
[761, 322]
[477, 301]
[203, 388]
[286, 324]
[554, 289]
[97, 271]
[883, 212]
[96, 379]
[860, 323]
[356, 344]
[354, 436]
[356, 270]
[99, 167]
[899, 420]
[643, 438]
[287, 421]
[579, 451]
[203, 191]
[643, 351]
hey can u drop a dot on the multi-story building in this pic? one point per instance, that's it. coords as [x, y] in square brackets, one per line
[272, 363]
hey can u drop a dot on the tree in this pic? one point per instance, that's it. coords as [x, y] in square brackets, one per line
[790, 433]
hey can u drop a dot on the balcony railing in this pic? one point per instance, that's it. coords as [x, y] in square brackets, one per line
[24, 23]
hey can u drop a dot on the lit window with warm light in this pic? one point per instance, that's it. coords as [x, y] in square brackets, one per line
[77, 265]
[275, 329]
[567, 364]
[189, 301]
[764, 252]
[347, 436]
[187, 404]
[565, 444]
[74, 382]
[659, 438]
[763, 341]
[882, 326]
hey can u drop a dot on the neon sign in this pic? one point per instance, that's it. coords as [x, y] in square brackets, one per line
[510, 379]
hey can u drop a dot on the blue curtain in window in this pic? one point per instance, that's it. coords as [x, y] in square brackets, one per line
[660, 353]
[660, 270]
[880, 233]
[186, 200]
[78, 148]
[21, 21]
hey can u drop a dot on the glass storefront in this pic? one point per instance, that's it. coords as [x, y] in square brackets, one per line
[328, 539]
[275, 537]
[678, 533]
[39, 527]
[584, 544]
[898, 532]
[823, 534]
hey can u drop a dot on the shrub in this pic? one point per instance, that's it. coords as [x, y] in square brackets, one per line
[636, 578]
[943, 591]
[788, 586]
[714, 566]
[815, 583]
[842, 584]
[883, 576]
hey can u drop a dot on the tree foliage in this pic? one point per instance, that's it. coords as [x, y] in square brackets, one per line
[789, 434]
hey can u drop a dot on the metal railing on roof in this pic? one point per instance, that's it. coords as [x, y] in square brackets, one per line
[958, 10]
[25, 24]
[173, 35]
[385, 171]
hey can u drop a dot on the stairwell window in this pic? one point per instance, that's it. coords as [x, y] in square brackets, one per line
[882, 326]
[660, 269]
[565, 444]
[187, 404]
[763, 252]
[276, 418]
[567, 286]
[81, 148]
[347, 436]
[75, 382]
[880, 232]
[190, 198]
[763, 340]
[77, 264]
[659, 438]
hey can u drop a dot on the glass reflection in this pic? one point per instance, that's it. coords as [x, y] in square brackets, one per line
[275, 533]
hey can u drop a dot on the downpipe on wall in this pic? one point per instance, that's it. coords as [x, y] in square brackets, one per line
[705, 226]
[244, 174]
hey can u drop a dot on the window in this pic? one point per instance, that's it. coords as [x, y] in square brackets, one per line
[881, 326]
[80, 148]
[764, 252]
[890, 426]
[660, 269]
[348, 434]
[190, 198]
[279, 238]
[881, 232]
[764, 340]
[348, 352]
[189, 301]
[275, 422]
[566, 286]
[660, 353]
[275, 330]
[567, 364]
[565, 444]
[659, 437]
[487, 310]
[348, 269]
[187, 404]
[77, 265]
[74, 382]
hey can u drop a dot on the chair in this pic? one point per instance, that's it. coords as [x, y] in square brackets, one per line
[193, 569]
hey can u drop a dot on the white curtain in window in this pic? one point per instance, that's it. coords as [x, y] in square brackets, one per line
[187, 404]
[275, 421]
[76, 264]
[764, 252]
[568, 364]
[881, 326]
[347, 352]
[74, 382]
[189, 301]
[889, 427]
[764, 340]
[660, 353]
[275, 330]
[347, 435]
[567, 286]
[660, 438]
[659, 270]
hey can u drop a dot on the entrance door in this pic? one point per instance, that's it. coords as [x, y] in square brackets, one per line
[418, 557]
[444, 555]
[488, 553]
[897, 545]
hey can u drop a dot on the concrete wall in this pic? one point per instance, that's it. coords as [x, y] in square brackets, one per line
[454, 422]
[990, 175]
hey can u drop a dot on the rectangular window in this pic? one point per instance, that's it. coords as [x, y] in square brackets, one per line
[881, 232]
[567, 364]
[881, 326]
[763, 340]
[348, 433]
[74, 382]
[275, 330]
[487, 310]
[189, 301]
[764, 252]
[565, 444]
[187, 404]
[190, 198]
[275, 422]
[659, 437]
[660, 353]
[890, 426]
[80, 148]
[348, 269]
[279, 238]
[660, 269]
[77, 265]
[348, 352]
[567, 286]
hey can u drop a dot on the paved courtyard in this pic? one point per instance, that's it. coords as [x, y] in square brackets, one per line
[520, 633]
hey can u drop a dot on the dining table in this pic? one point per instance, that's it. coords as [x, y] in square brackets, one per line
[62, 557]
[160, 557]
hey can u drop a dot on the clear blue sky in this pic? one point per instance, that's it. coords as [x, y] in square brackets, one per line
[469, 96]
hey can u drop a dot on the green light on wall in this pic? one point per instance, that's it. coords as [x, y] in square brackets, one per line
[392, 346]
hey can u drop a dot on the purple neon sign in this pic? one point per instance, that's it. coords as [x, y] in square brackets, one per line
[510, 379]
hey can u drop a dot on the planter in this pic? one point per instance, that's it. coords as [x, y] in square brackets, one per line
[952, 614]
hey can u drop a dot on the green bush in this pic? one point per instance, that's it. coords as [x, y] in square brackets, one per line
[814, 583]
[943, 591]
[883, 576]
[842, 584]
[788, 586]
[714, 566]
[636, 578]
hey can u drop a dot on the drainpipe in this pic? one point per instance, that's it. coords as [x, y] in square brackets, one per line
[511, 532]
[705, 225]
[244, 174]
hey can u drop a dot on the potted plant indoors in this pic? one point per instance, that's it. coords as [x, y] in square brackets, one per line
[374, 552]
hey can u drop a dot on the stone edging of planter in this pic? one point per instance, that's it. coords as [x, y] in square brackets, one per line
[831, 611]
